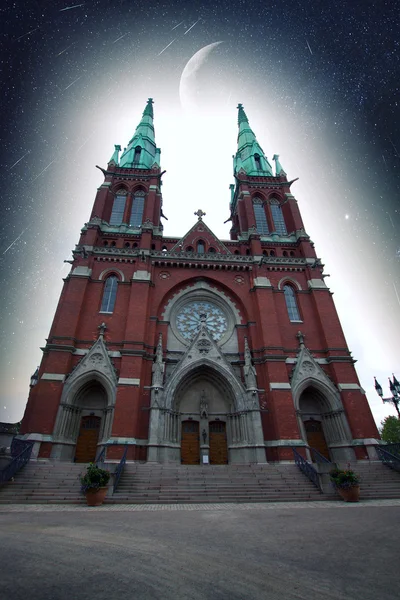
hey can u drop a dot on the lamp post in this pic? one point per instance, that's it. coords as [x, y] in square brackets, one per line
[395, 389]
[34, 378]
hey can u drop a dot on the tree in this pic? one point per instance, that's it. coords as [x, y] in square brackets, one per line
[390, 430]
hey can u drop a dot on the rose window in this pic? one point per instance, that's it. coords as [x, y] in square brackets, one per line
[190, 317]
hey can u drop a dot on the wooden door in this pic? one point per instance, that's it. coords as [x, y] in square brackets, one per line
[316, 438]
[86, 446]
[190, 443]
[218, 443]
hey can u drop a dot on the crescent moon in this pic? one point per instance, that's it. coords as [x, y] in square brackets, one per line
[188, 82]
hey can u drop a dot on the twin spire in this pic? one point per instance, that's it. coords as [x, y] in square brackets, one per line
[142, 153]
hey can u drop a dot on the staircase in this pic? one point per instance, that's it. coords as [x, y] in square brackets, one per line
[51, 482]
[377, 480]
[163, 484]
[45, 482]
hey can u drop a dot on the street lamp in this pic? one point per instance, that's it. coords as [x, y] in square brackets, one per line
[395, 390]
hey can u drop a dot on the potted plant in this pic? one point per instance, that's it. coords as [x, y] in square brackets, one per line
[94, 485]
[347, 484]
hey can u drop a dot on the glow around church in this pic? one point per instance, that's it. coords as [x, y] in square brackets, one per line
[195, 349]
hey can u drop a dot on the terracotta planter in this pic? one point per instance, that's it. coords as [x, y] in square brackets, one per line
[351, 494]
[96, 497]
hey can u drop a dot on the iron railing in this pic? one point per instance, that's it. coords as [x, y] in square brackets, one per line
[306, 468]
[388, 459]
[317, 457]
[119, 470]
[392, 448]
[21, 451]
[99, 462]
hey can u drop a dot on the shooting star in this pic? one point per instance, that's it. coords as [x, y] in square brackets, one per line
[167, 47]
[384, 160]
[85, 142]
[187, 31]
[45, 169]
[397, 296]
[19, 160]
[15, 241]
[25, 34]
[176, 26]
[71, 7]
[397, 152]
[309, 46]
[65, 49]
[390, 218]
[68, 86]
[120, 38]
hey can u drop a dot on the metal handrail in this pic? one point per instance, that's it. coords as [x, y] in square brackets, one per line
[99, 462]
[306, 468]
[317, 456]
[392, 448]
[19, 461]
[388, 459]
[119, 470]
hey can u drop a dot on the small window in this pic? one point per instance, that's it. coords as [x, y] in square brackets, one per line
[105, 243]
[291, 303]
[117, 213]
[284, 253]
[136, 158]
[265, 253]
[153, 246]
[279, 221]
[137, 209]
[272, 253]
[257, 160]
[211, 250]
[109, 294]
[127, 245]
[189, 249]
[237, 252]
[292, 254]
[261, 219]
[201, 247]
[164, 249]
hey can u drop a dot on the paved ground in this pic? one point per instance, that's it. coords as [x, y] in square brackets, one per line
[201, 552]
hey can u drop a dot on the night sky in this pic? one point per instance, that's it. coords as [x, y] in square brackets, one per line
[320, 84]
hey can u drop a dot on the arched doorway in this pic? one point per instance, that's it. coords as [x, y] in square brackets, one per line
[86, 445]
[190, 443]
[316, 437]
[218, 443]
[91, 401]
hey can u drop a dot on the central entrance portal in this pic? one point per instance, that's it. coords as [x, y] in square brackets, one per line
[190, 443]
[218, 443]
[86, 445]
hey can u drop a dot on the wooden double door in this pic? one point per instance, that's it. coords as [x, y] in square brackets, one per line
[86, 445]
[316, 438]
[190, 443]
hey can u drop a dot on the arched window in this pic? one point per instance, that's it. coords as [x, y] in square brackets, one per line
[189, 249]
[277, 217]
[201, 247]
[137, 209]
[117, 213]
[136, 158]
[109, 294]
[261, 218]
[257, 160]
[291, 303]
[211, 250]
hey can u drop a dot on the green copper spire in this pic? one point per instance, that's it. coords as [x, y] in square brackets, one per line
[279, 170]
[250, 157]
[141, 152]
[114, 158]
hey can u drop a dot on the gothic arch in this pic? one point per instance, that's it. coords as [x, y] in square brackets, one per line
[113, 271]
[121, 189]
[289, 280]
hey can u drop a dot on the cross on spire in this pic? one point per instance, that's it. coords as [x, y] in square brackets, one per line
[200, 214]
[102, 328]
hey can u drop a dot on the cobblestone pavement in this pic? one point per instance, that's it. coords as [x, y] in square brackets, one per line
[204, 506]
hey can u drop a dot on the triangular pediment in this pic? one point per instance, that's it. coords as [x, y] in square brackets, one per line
[96, 359]
[200, 231]
[308, 372]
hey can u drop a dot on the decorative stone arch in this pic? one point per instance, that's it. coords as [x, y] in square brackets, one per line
[275, 198]
[97, 368]
[289, 280]
[310, 384]
[112, 271]
[139, 190]
[258, 198]
[120, 190]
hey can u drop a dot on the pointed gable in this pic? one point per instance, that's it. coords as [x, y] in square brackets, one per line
[96, 359]
[200, 231]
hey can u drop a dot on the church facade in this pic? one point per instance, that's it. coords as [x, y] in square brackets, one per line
[193, 349]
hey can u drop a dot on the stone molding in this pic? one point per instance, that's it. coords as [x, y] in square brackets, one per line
[81, 271]
[128, 381]
[53, 376]
[280, 443]
[317, 284]
[280, 386]
[262, 282]
[350, 386]
[141, 276]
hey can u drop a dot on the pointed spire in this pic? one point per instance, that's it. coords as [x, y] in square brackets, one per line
[114, 159]
[158, 366]
[279, 170]
[250, 156]
[141, 152]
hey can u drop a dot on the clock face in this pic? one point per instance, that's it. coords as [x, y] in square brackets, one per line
[192, 314]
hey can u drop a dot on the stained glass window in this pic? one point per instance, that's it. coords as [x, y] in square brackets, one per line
[279, 221]
[109, 294]
[261, 219]
[190, 316]
[137, 210]
[291, 303]
[118, 208]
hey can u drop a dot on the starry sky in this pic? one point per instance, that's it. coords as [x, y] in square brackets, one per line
[320, 84]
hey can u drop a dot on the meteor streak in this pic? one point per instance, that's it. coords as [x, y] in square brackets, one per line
[397, 296]
[65, 49]
[19, 160]
[15, 241]
[45, 169]
[71, 7]
[167, 47]
[31, 31]
[308, 46]
[177, 25]
[68, 86]
[120, 38]
[187, 31]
